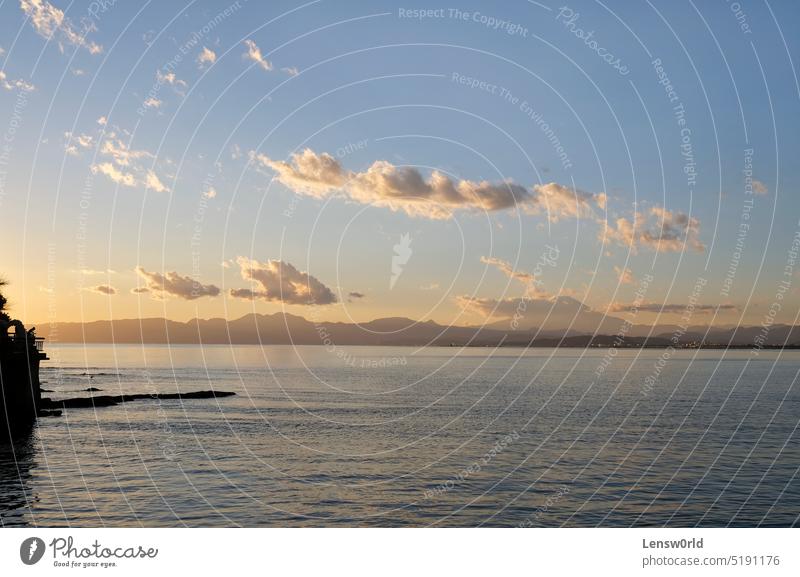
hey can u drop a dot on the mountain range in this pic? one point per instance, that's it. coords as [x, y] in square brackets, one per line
[569, 323]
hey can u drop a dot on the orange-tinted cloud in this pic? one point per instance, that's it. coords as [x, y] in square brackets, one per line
[279, 281]
[404, 188]
[658, 229]
[174, 284]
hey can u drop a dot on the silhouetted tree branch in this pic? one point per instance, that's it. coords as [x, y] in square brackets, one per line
[3, 301]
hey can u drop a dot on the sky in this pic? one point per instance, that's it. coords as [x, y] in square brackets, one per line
[354, 160]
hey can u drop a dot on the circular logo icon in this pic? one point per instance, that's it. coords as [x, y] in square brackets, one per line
[31, 550]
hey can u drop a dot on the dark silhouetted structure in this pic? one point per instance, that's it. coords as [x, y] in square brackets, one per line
[20, 390]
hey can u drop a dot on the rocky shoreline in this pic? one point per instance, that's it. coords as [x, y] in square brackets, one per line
[48, 406]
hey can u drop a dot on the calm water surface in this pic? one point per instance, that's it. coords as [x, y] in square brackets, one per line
[378, 436]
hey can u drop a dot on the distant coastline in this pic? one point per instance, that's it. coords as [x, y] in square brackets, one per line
[280, 328]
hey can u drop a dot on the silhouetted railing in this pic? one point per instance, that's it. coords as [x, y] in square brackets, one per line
[21, 342]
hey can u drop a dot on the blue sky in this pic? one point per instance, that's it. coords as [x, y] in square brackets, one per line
[488, 92]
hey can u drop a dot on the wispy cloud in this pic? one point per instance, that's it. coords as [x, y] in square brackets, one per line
[169, 78]
[116, 175]
[489, 308]
[173, 284]
[50, 22]
[206, 56]
[254, 53]
[669, 308]
[125, 165]
[152, 182]
[505, 308]
[121, 153]
[103, 289]
[17, 84]
[507, 269]
[658, 229]
[279, 281]
[93, 272]
[74, 143]
[625, 275]
[558, 201]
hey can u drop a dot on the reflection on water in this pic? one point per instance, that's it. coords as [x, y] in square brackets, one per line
[16, 462]
[398, 436]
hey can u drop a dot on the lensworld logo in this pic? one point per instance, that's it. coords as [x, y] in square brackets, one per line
[31, 550]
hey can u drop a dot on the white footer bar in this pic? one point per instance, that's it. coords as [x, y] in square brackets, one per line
[415, 552]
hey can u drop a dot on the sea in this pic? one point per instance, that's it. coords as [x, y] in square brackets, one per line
[324, 436]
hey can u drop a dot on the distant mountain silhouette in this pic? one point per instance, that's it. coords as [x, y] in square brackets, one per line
[561, 315]
[567, 326]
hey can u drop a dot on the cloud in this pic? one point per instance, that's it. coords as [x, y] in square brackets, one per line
[281, 282]
[625, 275]
[669, 308]
[125, 166]
[103, 289]
[173, 284]
[254, 53]
[533, 286]
[291, 70]
[355, 296]
[116, 175]
[507, 269]
[153, 103]
[17, 84]
[437, 196]
[759, 187]
[559, 201]
[524, 307]
[406, 189]
[77, 142]
[659, 229]
[102, 121]
[152, 182]
[490, 307]
[534, 300]
[528, 313]
[308, 173]
[206, 56]
[45, 17]
[50, 22]
[90, 271]
[169, 78]
[121, 153]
